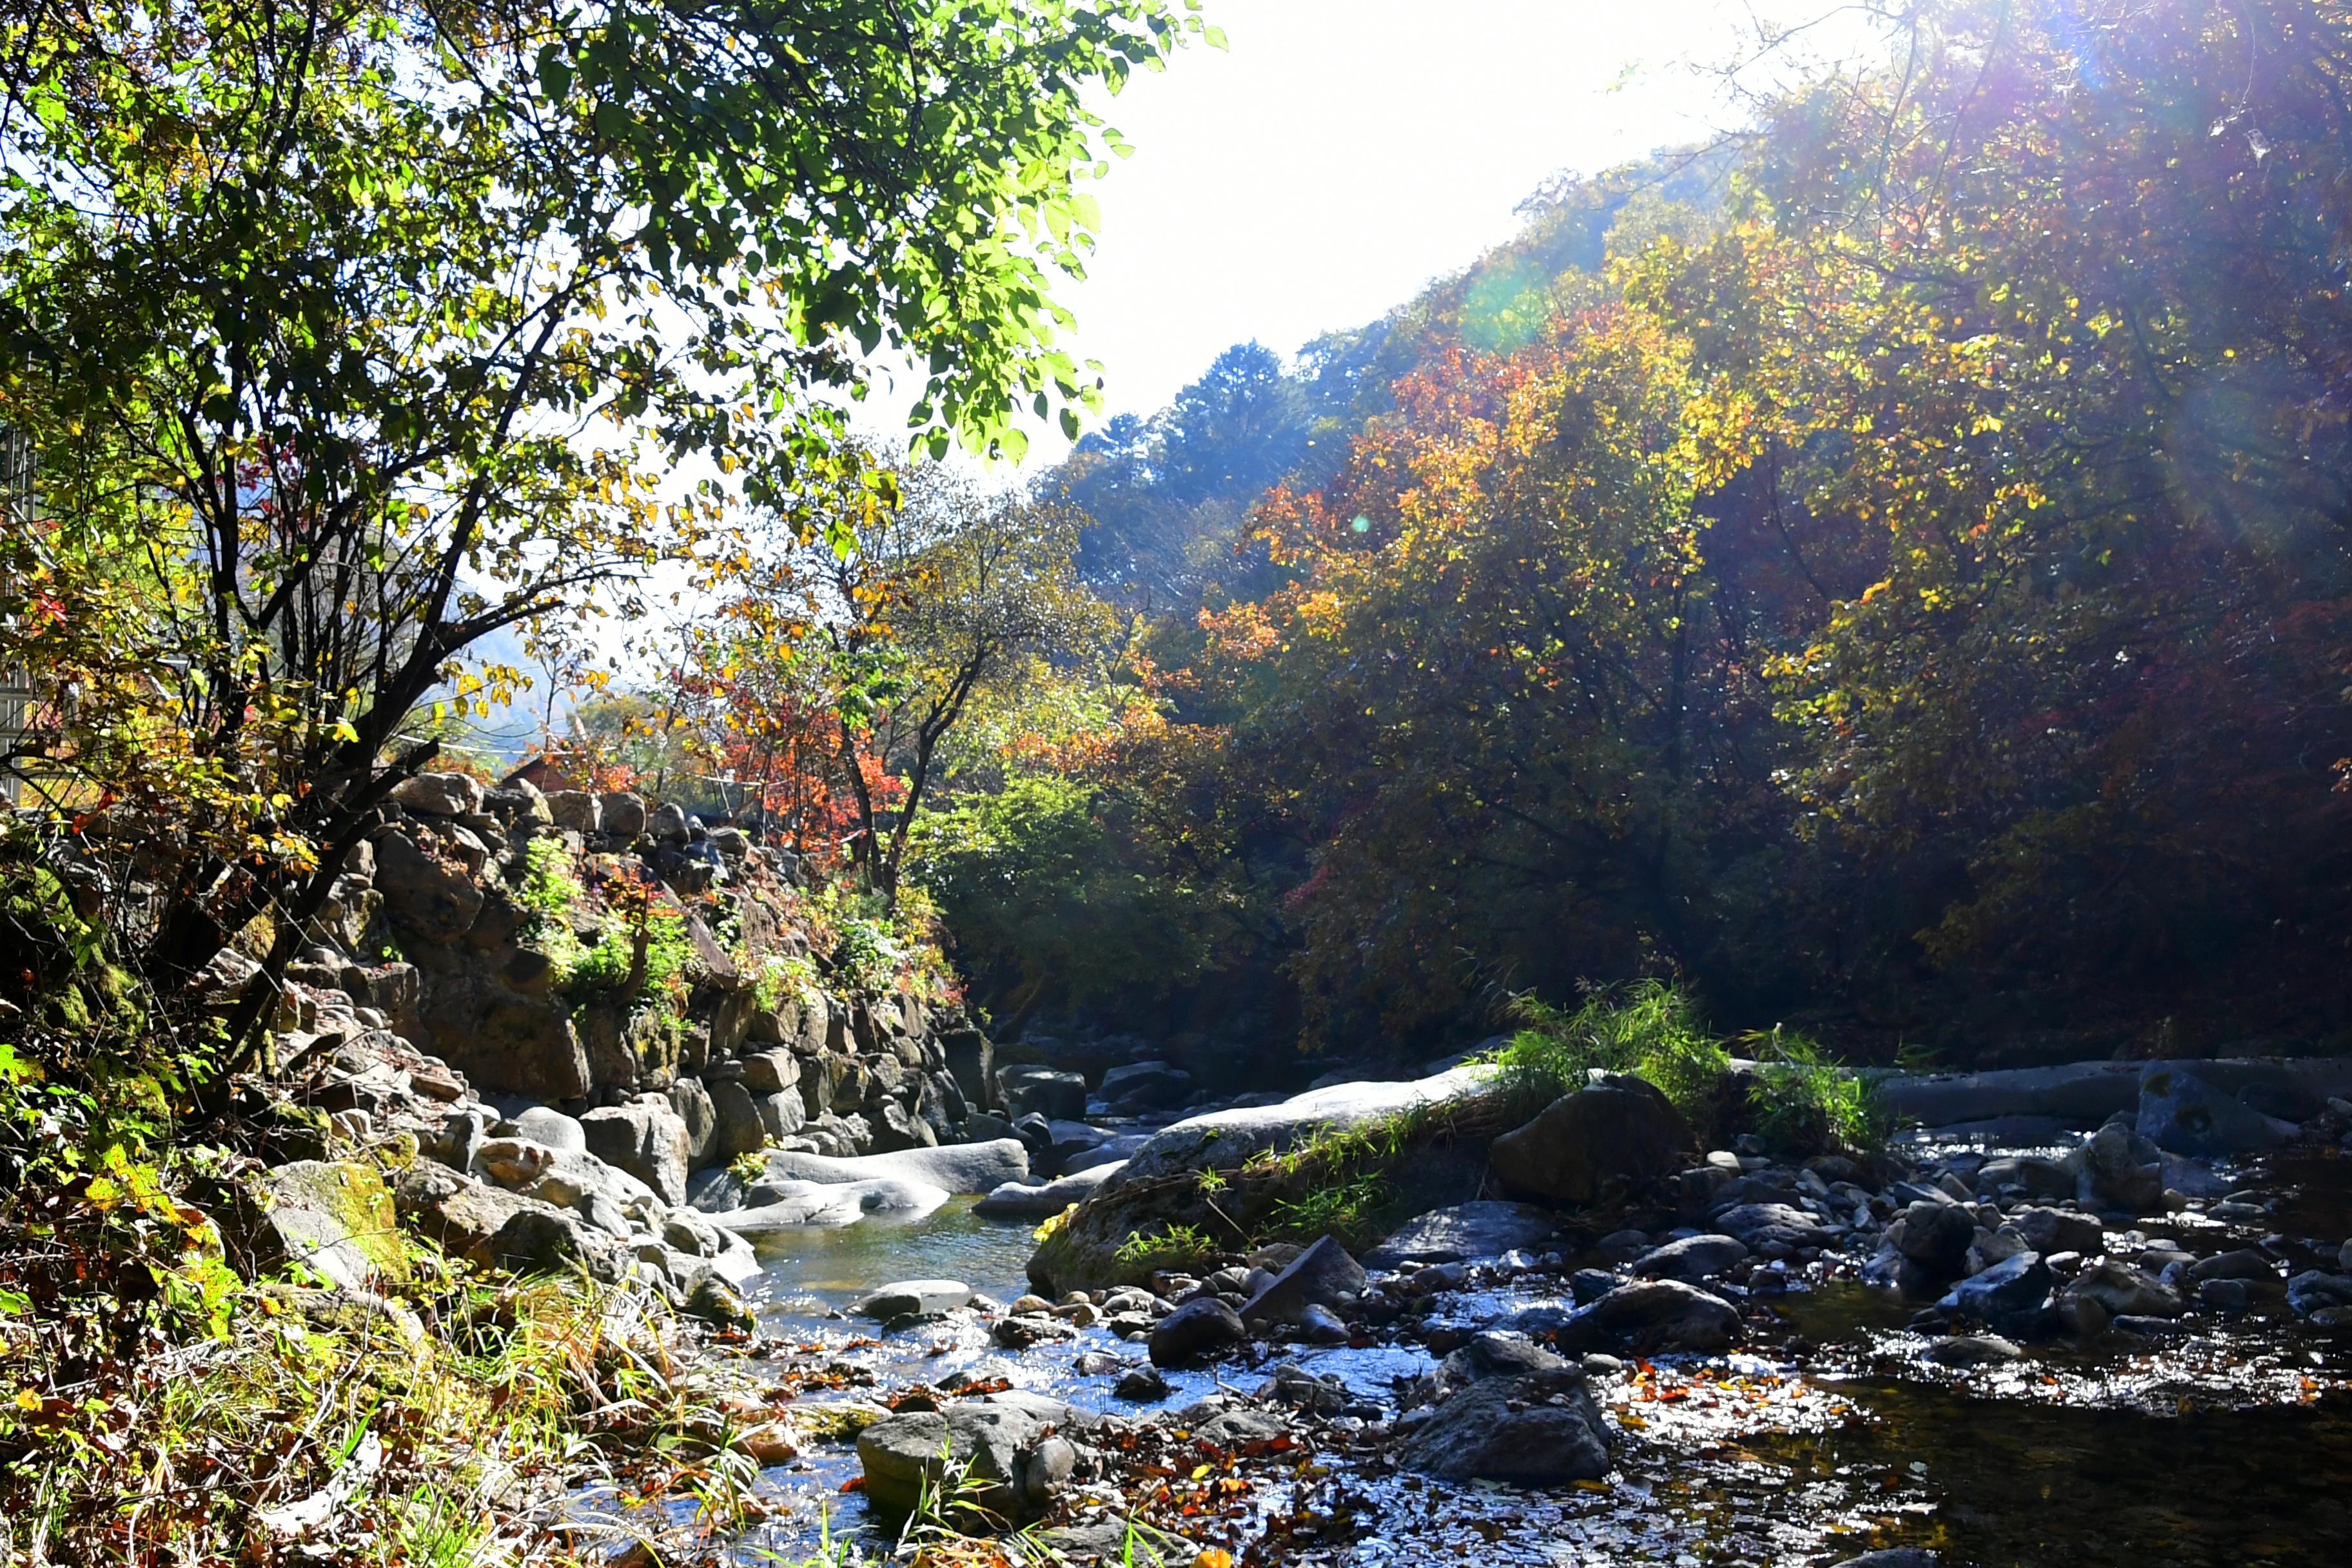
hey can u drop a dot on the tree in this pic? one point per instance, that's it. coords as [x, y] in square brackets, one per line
[344, 331]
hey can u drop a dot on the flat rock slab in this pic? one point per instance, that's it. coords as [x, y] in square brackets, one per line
[1230, 1136]
[1759, 1225]
[2084, 1094]
[1465, 1231]
[793, 1205]
[1507, 1429]
[952, 1167]
[335, 1218]
[1018, 1200]
[914, 1298]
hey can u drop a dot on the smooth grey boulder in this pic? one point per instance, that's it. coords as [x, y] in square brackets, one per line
[546, 1125]
[1691, 1259]
[1018, 1200]
[2048, 1230]
[2312, 1292]
[1507, 1429]
[913, 1298]
[780, 1209]
[1322, 1276]
[1199, 1329]
[691, 1100]
[2084, 1094]
[1230, 1136]
[2244, 1263]
[623, 814]
[1763, 1225]
[956, 1167]
[666, 825]
[2119, 1170]
[2125, 1292]
[772, 1071]
[439, 794]
[2182, 1113]
[737, 1128]
[1461, 1232]
[1145, 1086]
[1621, 1130]
[1936, 1237]
[1656, 1315]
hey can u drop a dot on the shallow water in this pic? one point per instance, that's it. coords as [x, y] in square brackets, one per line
[2228, 1444]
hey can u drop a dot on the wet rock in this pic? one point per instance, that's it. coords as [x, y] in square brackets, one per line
[2125, 1292]
[1144, 1385]
[1502, 1354]
[2181, 1112]
[1019, 1200]
[2032, 1173]
[1510, 1429]
[2048, 1230]
[1323, 1274]
[1654, 1316]
[1971, 1350]
[1117, 1543]
[2225, 1295]
[714, 1301]
[2312, 1292]
[1197, 1329]
[1231, 1428]
[914, 1298]
[1464, 1231]
[1318, 1325]
[646, 1139]
[1936, 1237]
[2120, 1171]
[1623, 1245]
[1894, 1557]
[988, 1441]
[1691, 1259]
[2017, 1284]
[1588, 1285]
[1621, 1130]
[2245, 1263]
[334, 1217]
[1762, 1225]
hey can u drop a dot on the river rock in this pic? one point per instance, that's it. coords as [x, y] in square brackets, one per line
[1464, 1231]
[1936, 1237]
[1322, 1276]
[2312, 1292]
[1691, 1259]
[955, 1167]
[1654, 1316]
[1050, 1092]
[988, 1441]
[2245, 1263]
[2181, 1112]
[2048, 1230]
[1197, 1329]
[2119, 1170]
[439, 794]
[2125, 1292]
[1620, 1130]
[545, 1240]
[429, 896]
[691, 1100]
[646, 1139]
[1230, 1137]
[914, 1298]
[1971, 1350]
[1894, 1557]
[788, 1206]
[1019, 1200]
[2016, 1284]
[335, 1218]
[546, 1125]
[1762, 1225]
[1145, 1086]
[1510, 1429]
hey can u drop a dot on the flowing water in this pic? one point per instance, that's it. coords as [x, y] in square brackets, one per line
[2224, 1446]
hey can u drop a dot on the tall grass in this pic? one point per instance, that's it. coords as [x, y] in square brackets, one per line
[1647, 1028]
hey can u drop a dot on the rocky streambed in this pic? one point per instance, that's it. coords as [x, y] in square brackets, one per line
[2009, 1340]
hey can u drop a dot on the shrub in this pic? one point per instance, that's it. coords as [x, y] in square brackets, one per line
[1648, 1028]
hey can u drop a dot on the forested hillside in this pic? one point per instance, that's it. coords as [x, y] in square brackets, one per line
[1890, 570]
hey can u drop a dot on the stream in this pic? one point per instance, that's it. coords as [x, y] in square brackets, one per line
[2229, 1442]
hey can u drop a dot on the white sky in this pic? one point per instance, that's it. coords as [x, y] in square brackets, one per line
[1342, 153]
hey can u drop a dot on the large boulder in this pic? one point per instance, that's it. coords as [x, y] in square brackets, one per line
[2048, 1230]
[1201, 1328]
[913, 1298]
[623, 814]
[1001, 1447]
[956, 1167]
[1619, 1132]
[334, 1217]
[545, 1125]
[645, 1138]
[439, 794]
[1461, 1232]
[1322, 1276]
[544, 1240]
[1145, 1086]
[1655, 1316]
[2120, 1172]
[2180, 1112]
[429, 897]
[1020, 1199]
[1049, 1091]
[1510, 1429]
[1772, 1227]
[691, 1100]
[1936, 1237]
[574, 810]
[1691, 1259]
[737, 1129]
[780, 1211]
[2125, 1292]
[972, 1060]
[460, 1213]
[2019, 1283]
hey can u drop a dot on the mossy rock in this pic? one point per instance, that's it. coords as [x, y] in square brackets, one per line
[334, 1217]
